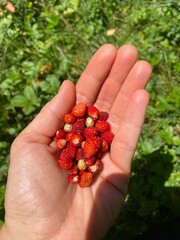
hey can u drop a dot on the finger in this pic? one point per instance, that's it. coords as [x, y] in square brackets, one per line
[126, 57]
[95, 74]
[50, 118]
[136, 79]
[127, 136]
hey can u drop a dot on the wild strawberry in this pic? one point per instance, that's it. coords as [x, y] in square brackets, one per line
[79, 154]
[76, 139]
[103, 116]
[89, 161]
[104, 146]
[60, 134]
[69, 118]
[78, 126]
[96, 168]
[91, 146]
[89, 122]
[83, 140]
[90, 132]
[68, 136]
[74, 170]
[107, 136]
[93, 112]
[67, 127]
[65, 162]
[102, 126]
[81, 172]
[86, 179]
[99, 154]
[73, 178]
[81, 164]
[61, 143]
[69, 151]
[79, 110]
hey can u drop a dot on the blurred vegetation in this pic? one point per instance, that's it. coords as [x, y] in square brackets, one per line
[45, 42]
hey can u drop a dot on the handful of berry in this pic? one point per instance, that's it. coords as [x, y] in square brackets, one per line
[84, 138]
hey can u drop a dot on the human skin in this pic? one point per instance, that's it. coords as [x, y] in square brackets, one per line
[39, 202]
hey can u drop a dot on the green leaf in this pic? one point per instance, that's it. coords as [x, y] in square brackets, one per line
[162, 103]
[28, 109]
[3, 145]
[147, 147]
[64, 65]
[4, 169]
[73, 5]
[29, 93]
[167, 135]
[176, 141]
[50, 85]
[19, 101]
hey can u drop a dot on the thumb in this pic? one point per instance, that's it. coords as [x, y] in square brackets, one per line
[50, 118]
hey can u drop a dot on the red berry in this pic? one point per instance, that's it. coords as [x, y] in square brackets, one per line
[93, 112]
[102, 126]
[61, 143]
[81, 172]
[91, 146]
[69, 118]
[103, 116]
[76, 139]
[83, 140]
[79, 154]
[107, 136]
[79, 110]
[65, 162]
[79, 126]
[90, 132]
[60, 134]
[73, 178]
[86, 179]
[96, 168]
[89, 161]
[69, 151]
[74, 170]
[68, 136]
[104, 146]
[99, 154]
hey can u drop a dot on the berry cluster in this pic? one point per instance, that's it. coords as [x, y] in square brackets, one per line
[84, 138]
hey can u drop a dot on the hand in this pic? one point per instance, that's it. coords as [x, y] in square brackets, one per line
[39, 202]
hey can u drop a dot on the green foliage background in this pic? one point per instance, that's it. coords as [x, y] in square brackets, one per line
[45, 42]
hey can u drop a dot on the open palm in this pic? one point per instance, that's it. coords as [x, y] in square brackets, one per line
[40, 203]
